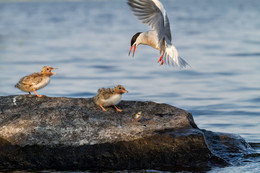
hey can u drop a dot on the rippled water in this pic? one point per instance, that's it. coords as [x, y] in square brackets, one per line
[89, 42]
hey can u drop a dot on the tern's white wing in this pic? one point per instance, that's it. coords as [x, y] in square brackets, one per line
[167, 28]
[150, 13]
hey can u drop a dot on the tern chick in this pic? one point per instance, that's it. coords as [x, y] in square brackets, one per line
[36, 81]
[110, 97]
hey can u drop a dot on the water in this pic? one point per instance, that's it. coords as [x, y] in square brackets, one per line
[89, 42]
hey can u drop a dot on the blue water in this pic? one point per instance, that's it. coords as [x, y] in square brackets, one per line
[89, 42]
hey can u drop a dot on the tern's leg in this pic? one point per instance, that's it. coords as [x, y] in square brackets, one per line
[161, 63]
[37, 94]
[119, 110]
[102, 108]
[161, 58]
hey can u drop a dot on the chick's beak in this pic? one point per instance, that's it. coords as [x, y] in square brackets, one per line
[124, 91]
[53, 69]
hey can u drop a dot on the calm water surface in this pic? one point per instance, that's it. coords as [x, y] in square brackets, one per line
[89, 42]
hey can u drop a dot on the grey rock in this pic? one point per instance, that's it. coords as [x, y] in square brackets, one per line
[74, 133]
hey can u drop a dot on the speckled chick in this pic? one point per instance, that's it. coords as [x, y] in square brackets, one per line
[109, 97]
[36, 80]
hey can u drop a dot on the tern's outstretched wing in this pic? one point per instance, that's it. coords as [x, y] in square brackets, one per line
[167, 28]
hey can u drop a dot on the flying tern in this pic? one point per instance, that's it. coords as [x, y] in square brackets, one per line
[152, 13]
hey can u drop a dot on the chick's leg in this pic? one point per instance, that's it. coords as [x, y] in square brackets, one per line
[37, 94]
[102, 108]
[119, 110]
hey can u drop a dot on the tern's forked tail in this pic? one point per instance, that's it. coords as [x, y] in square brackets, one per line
[171, 57]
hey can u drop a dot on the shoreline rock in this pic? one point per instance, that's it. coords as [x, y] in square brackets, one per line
[74, 134]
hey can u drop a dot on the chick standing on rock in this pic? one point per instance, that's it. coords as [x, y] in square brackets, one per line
[109, 97]
[36, 80]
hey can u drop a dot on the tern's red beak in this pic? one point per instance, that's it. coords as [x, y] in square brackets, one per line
[134, 50]
[131, 49]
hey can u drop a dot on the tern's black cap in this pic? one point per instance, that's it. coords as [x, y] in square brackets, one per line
[134, 38]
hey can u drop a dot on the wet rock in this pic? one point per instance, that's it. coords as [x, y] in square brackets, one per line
[75, 134]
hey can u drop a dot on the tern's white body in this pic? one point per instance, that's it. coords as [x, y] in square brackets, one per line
[148, 38]
[152, 13]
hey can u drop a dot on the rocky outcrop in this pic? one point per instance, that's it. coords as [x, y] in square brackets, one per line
[75, 134]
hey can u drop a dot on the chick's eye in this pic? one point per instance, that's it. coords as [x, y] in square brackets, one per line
[120, 88]
[47, 68]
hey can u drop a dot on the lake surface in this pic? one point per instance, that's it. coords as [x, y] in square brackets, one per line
[89, 42]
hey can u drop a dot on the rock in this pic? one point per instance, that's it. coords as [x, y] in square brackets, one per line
[75, 134]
